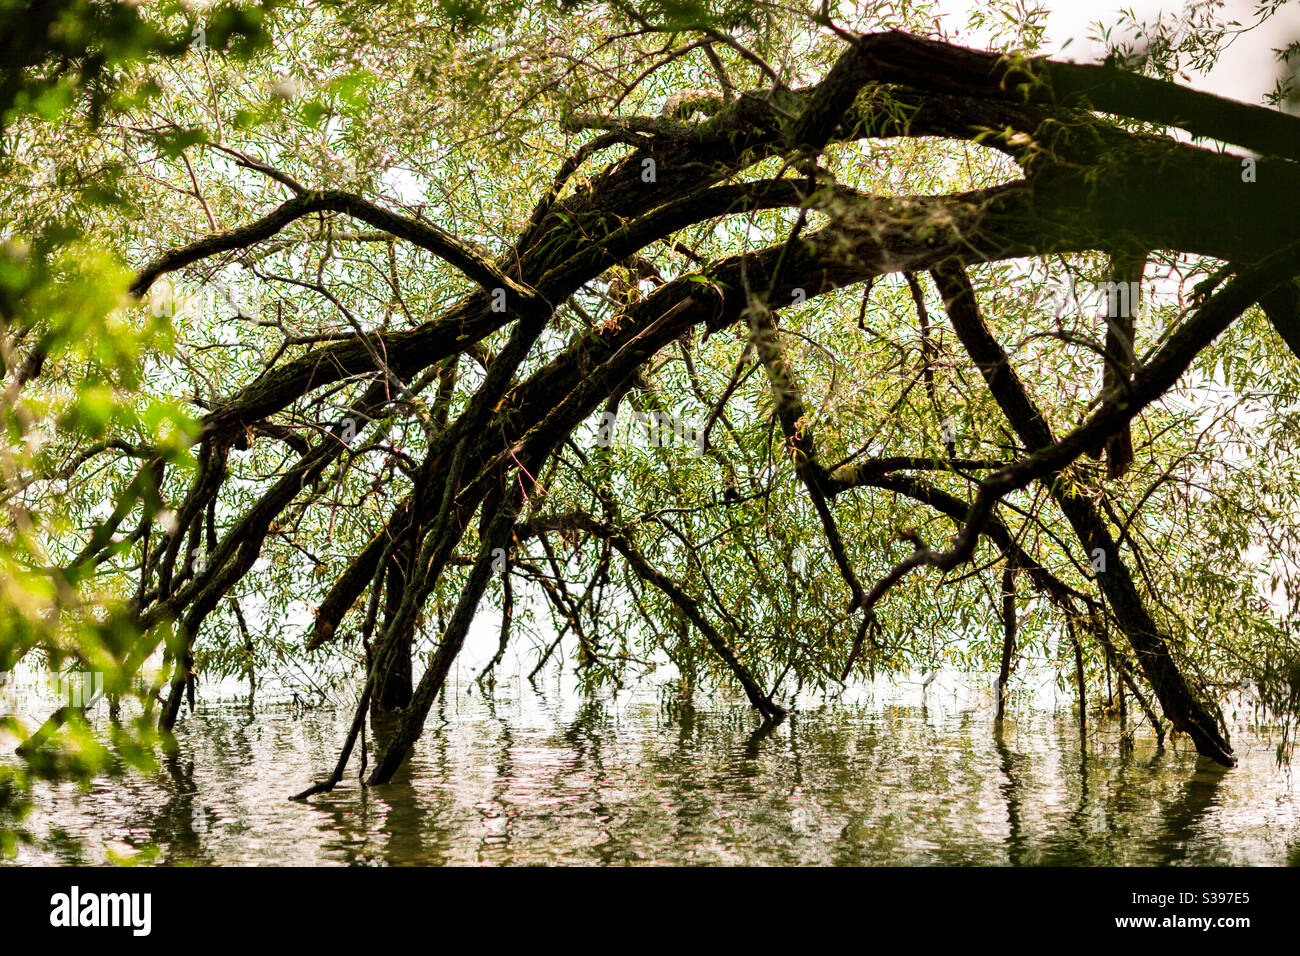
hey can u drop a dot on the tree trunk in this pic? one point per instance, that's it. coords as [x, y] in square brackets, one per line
[1153, 656]
[1008, 634]
[393, 684]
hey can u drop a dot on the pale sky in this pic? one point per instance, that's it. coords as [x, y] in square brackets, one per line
[1247, 69]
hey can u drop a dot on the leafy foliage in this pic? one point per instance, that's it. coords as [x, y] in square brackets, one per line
[125, 140]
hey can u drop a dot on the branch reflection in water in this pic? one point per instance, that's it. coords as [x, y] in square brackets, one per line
[899, 774]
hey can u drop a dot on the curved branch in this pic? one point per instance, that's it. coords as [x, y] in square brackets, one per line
[438, 241]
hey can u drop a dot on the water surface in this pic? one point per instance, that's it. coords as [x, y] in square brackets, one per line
[894, 777]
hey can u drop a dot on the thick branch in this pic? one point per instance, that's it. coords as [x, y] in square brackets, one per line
[898, 57]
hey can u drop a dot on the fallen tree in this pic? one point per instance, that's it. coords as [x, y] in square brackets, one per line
[633, 281]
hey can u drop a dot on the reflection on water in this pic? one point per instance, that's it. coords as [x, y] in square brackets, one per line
[893, 778]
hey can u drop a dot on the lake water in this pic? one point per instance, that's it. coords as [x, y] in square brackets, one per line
[891, 776]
